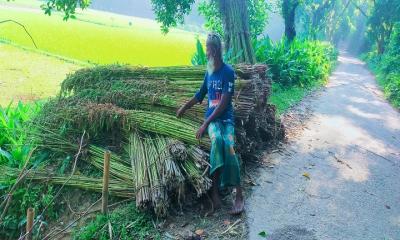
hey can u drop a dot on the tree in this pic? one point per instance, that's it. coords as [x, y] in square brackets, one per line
[384, 15]
[235, 21]
[169, 13]
[316, 16]
[289, 14]
[258, 16]
[326, 19]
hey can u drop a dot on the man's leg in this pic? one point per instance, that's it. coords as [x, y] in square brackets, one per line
[216, 160]
[215, 189]
[231, 173]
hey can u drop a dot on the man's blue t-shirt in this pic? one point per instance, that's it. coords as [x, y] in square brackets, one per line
[219, 82]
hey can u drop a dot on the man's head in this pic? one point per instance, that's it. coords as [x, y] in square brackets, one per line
[214, 51]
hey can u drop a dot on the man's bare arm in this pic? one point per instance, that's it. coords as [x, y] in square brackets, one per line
[222, 105]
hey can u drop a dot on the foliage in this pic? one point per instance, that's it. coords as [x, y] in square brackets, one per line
[299, 63]
[126, 223]
[14, 152]
[392, 88]
[199, 57]
[171, 12]
[14, 148]
[106, 39]
[288, 9]
[258, 16]
[315, 17]
[328, 20]
[358, 42]
[66, 6]
[209, 10]
[26, 195]
[387, 67]
[383, 17]
[295, 68]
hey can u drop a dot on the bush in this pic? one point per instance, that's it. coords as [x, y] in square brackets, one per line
[301, 63]
[199, 57]
[13, 147]
[387, 67]
[392, 88]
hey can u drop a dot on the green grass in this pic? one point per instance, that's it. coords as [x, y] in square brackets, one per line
[285, 97]
[97, 37]
[28, 75]
[126, 222]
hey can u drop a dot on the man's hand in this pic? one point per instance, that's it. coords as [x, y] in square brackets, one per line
[180, 112]
[185, 107]
[201, 130]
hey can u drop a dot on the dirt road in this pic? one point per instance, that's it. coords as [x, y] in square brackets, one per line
[339, 178]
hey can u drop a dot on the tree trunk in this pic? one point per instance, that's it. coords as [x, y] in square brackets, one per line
[235, 19]
[289, 14]
[381, 45]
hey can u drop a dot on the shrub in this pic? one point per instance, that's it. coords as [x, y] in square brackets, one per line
[13, 147]
[199, 57]
[301, 63]
[392, 88]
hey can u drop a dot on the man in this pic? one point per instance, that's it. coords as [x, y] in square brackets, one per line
[219, 121]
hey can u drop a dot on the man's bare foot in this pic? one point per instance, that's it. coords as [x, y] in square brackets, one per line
[215, 192]
[238, 204]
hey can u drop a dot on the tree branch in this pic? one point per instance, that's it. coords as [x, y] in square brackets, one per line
[359, 9]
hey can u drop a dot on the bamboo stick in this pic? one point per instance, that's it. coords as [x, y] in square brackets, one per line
[30, 215]
[106, 175]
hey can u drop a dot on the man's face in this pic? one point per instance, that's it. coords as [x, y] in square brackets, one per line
[210, 59]
[210, 52]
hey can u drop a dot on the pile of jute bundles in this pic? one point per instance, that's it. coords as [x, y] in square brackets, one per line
[131, 111]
